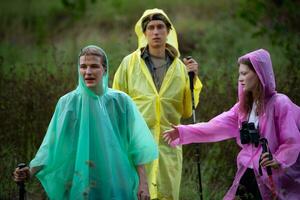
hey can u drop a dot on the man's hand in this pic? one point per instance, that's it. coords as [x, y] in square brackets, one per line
[143, 190]
[171, 135]
[191, 65]
[21, 175]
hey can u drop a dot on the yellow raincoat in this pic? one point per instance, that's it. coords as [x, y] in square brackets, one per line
[159, 108]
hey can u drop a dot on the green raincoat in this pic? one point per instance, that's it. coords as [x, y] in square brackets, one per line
[160, 108]
[93, 145]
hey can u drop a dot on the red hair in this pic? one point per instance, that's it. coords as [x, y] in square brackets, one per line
[257, 96]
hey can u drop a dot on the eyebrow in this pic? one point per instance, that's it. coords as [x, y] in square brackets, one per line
[93, 64]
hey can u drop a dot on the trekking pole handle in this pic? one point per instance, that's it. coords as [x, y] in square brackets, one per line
[191, 75]
[265, 148]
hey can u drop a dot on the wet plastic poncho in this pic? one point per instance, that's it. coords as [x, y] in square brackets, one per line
[159, 109]
[93, 145]
[279, 124]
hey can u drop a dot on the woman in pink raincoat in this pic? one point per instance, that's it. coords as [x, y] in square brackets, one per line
[265, 114]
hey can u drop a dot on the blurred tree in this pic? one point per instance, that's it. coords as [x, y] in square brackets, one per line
[77, 7]
[279, 20]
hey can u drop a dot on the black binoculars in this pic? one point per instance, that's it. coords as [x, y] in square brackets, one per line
[249, 134]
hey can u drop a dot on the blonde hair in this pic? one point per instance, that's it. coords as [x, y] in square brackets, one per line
[93, 51]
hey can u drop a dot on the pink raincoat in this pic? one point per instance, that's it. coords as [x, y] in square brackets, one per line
[279, 124]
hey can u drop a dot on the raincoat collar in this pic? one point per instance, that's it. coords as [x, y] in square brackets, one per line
[172, 42]
[103, 85]
[262, 64]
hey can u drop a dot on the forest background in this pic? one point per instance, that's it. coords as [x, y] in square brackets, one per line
[40, 41]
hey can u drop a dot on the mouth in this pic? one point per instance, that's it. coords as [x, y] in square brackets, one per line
[89, 80]
[156, 39]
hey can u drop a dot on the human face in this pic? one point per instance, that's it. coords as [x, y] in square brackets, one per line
[247, 78]
[92, 70]
[156, 33]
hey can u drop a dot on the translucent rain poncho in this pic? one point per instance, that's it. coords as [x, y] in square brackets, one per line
[160, 108]
[93, 145]
[279, 124]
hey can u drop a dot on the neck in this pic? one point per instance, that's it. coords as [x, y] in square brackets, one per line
[98, 90]
[158, 52]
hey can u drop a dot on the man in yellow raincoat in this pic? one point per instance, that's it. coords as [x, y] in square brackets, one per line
[157, 81]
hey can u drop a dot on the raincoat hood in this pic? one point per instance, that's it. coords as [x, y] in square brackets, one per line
[261, 61]
[102, 85]
[172, 42]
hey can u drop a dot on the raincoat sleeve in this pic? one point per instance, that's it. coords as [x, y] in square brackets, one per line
[120, 78]
[142, 147]
[289, 135]
[222, 127]
[54, 154]
[187, 101]
[42, 156]
[60, 130]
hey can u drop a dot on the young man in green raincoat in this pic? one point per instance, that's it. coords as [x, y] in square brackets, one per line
[97, 141]
[157, 81]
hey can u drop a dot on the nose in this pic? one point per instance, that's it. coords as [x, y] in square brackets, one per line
[240, 79]
[155, 31]
[88, 70]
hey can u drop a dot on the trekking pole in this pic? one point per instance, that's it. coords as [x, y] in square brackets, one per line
[21, 184]
[265, 148]
[197, 154]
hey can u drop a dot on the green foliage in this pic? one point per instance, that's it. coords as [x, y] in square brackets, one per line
[40, 40]
[27, 104]
[279, 20]
[217, 170]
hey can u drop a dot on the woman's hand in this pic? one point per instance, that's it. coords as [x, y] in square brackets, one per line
[265, 162]
[171, 135]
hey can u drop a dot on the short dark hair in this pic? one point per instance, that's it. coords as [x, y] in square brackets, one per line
[155, 16]
[93, 51]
